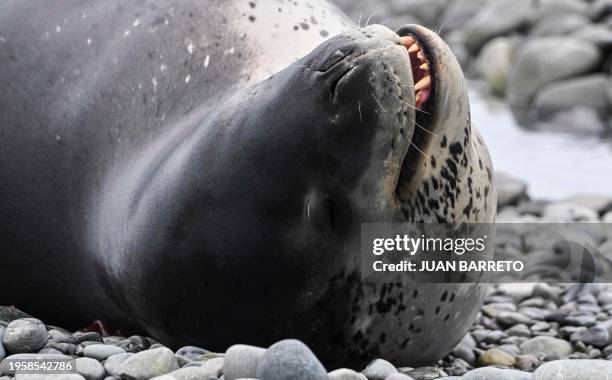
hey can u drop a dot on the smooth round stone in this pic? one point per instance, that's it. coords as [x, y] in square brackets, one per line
[519, 330]
[111, 365]
[213, 367]
[148, 363]
[574, 370]
[510, 190]
[489, 373]
[464, 352]
[379, 369]
[597, 336]
[511, 318]
[90, 369]
[518, 291]
[135, 343]
[458, 367]
[526, 362]
[579, 320]
[495, 356]
[88, 337]
[290, 359]
[2, 350]
[495, 19]
[49, 350]
[59, 376]
[186, 373]
[605, 298]
[189, 354]
[57, 336]
[346, 374]
[493, 309]
[494, 63]
[242, 361]
[25, 335]
[102, 351]
[399, 376]
[546, 345]
[546, 291]
[426, 373]
[65, 348]
[539, 62]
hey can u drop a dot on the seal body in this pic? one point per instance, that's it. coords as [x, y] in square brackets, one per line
[197, 170]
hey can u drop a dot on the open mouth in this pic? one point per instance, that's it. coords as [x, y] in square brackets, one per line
[420, 70]
[422, 73]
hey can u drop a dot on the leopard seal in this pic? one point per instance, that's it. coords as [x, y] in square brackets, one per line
[194, 170]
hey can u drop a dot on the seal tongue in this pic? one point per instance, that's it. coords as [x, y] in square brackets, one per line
[420, 70]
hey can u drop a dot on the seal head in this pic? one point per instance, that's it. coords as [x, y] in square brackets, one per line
[243, 230]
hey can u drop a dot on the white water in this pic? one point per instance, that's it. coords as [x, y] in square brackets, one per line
[554, 164]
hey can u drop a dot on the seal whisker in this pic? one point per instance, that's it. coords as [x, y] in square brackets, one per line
[405, 84]
[420, 151]
[441, 27]
[424, 129]
[369, 18]
[378, 102]
[409, 105]
[359, 109]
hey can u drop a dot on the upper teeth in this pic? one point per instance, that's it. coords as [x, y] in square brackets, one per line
[417, 55]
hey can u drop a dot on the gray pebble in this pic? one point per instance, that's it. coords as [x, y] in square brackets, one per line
[25, 335]
[189, 354]
[379, 369]
[187, 373]
[464, 352]
[58, 336]
[2, 350]
[102, 351]
[597, 336]
[148, 363]
[213, 367]
[519, 330]
[399, 376]
[547, 345]
[511, 318]
[135, 343]
[49, 350]
[90, 369]
[526, 362]
[111, 365]
[88, 336]
[489, 373]
[426, 373]
[290, 359]
[65, 348]
[346, 374]
[574, 370]
[242, 361]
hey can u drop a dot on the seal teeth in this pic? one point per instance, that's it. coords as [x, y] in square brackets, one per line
[421, 72]
[423, 83]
